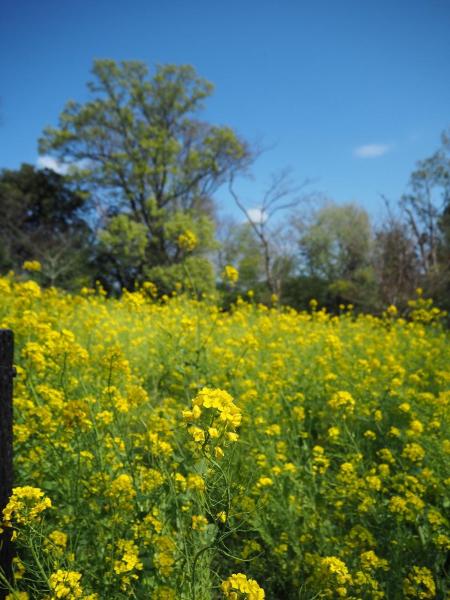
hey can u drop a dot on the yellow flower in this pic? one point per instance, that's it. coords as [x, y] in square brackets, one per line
[414, 452]
[397, 504]
[419, 584]
[199, 522]
[187, 241]
[374, 482]
[32, 265]
[218, 452]
[394, 432]
[264, 482]
[217, 408]
[25, 505]
[165, 593]
[122, 489]
[165, 555]
[58, 539]
[239, 582]
[392, 310]
[213, 433]
[333, 433]
[342, 401]
[369, 561]
[66, 584]
[128, 560]
[151, 288]
[415, 427]
[230, 274]
[195, 482]
[319, 460]
[18, 568]
[198, 434]
[336, 569]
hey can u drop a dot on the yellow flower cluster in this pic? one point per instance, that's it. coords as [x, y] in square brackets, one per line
[238, 587]
[342, 401]
[66, 584]
[128, 560]
[57, 541]
[187, 241]
[230, 274]
[216, 417]
[419, 584]
[336, 573]
[32, 265]
[25, 505]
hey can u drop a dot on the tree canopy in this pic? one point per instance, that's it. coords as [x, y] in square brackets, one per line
[42, 219]
[141, 150]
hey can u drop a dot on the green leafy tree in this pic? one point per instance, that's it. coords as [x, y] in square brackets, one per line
[140, 148]
[43, 219]
[335, 247]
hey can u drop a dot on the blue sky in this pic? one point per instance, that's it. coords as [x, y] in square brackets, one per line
[348, 93]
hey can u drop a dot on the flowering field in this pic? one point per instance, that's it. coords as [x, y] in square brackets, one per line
[167, 450]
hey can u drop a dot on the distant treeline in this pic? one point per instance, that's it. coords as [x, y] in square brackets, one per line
[130, 199]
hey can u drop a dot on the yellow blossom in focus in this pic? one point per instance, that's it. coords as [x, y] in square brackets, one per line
[25, 505]
[240, 583]
[66, 584]
[128, 557]
[197, 434]
[336, 569]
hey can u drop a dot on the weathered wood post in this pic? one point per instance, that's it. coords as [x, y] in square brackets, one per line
[6, 441]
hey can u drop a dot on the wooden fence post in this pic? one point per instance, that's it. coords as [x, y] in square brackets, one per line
[7, 373]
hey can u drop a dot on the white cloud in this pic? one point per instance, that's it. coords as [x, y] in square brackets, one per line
[47, 162]
[256, 215]
[371, 150]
